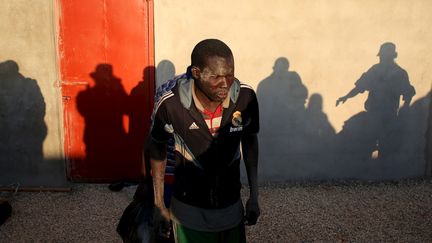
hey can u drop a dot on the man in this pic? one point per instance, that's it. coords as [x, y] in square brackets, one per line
[385, 82]
[208, 113]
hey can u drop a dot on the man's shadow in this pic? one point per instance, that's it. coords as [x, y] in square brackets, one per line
[140, 117]
[22, 125]
[281, 98]
[377, 133]
[139, 123]
[103, 107]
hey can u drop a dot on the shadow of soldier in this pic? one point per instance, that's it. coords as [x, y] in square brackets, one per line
[378, 133]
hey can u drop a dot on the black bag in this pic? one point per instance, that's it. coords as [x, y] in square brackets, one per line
[136, 223]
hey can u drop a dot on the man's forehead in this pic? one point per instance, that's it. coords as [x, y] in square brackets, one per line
[219, 62]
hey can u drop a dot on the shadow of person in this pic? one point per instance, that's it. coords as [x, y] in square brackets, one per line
[413, 125]
[141, 97]
[282, 98]
[165, 71]
[354, 145]
[385, 83]
[22, 125]
[318, 130]
[428, 145]
[103, 107]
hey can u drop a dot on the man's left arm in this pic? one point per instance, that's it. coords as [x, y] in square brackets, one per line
[408, 94]
[407, 91]
[250, 157]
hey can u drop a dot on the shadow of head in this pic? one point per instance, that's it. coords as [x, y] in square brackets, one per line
[281, 64]
[103, 74]
[387, 51]
[8, 67]
[315, 102]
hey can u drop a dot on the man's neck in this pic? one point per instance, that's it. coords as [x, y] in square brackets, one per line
[206, 102]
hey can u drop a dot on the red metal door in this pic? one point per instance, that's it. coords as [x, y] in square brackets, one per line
[106, 55]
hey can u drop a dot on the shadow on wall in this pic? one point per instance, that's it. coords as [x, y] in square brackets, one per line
[426, 103]
[416, 136]
[139, 121]
[294, 139]
[22, 125]
[112, 151]
[165, 71]
[381, 142]
[103, 106]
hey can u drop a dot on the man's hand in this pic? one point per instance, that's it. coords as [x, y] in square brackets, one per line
[252, 212]
[161, 221]
[341, 99]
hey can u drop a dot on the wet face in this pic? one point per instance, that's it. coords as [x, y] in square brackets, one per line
[216, 78]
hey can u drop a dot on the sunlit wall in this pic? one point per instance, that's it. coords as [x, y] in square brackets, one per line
[31, 144]
[305, 55]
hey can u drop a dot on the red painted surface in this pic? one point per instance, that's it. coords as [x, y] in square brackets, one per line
[106, 54]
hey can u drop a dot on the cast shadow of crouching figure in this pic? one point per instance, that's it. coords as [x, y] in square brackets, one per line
[318, 131]
[22, 125]
[282, 98]
[103, 107]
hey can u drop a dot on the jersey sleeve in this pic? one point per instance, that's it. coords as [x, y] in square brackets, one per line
[161, 128]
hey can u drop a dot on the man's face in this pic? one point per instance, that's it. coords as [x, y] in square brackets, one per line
[216, 78]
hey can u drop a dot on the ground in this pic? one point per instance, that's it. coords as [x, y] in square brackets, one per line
[302, 212]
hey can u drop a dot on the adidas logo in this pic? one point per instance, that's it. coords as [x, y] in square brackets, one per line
[193, 126]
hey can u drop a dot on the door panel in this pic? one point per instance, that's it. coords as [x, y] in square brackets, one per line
[107, 72]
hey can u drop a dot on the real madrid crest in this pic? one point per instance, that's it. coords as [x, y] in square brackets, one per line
[237, 119]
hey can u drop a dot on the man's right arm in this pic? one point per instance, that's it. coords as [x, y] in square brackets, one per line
[350, 94]
[157, 148]
[157, 156]
[360, 87]
[157, 153]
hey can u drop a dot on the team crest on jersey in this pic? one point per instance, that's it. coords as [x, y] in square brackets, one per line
[237, 119]
[236, 122]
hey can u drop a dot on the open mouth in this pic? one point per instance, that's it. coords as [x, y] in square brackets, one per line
[222, 94]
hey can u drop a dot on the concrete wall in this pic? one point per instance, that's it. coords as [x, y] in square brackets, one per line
[301, 56]
[30, 126]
